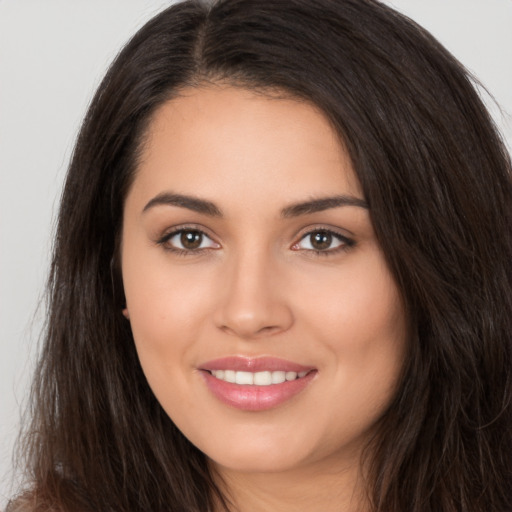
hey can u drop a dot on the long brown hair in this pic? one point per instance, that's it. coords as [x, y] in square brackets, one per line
[438, 181]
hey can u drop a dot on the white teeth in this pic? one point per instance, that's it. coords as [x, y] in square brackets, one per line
[244, 378]
[265, 378]
[229, 376]
[278, 377]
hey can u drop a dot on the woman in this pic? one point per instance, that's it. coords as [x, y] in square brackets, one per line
[281, 278]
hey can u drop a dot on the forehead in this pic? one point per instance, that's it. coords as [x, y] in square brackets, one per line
[234, 143]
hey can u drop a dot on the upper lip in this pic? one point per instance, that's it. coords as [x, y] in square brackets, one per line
[254, 364]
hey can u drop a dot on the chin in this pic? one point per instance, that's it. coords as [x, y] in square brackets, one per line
[260, 453]
[263, 461]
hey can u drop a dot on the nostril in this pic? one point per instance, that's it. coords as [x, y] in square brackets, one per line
[271, 329]
[252, 333]
[253, 319]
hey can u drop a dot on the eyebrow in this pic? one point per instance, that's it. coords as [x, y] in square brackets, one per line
[294, 210]
[191, 203]
[321, 204]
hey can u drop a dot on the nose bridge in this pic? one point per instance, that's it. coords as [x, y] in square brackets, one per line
[252, 304]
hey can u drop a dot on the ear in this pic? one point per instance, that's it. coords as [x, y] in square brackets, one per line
[126, 313]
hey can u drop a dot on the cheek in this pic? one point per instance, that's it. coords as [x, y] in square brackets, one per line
[357, 307]
[359, 319]
[166, 312]
[166, 306]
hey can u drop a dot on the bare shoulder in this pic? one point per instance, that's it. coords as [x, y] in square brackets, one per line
[28, 502]
[66, 499]
[20, 504]
[23, 503]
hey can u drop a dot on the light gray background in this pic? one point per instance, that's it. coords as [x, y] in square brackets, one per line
[53, 54]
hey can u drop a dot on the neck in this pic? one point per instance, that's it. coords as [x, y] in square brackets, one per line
[309, 488]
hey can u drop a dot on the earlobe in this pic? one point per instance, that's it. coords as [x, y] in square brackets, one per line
[126, 313]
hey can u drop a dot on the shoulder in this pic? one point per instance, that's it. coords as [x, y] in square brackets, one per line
[23, 503]
[30, 502]
[65, 498]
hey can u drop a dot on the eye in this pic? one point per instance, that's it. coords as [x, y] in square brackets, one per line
[185, 240]
[323, 240]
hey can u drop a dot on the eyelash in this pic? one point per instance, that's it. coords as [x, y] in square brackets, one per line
[346, 243]
[163, 241]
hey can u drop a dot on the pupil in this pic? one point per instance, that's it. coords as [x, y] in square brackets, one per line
[321, 240]
[191, 239]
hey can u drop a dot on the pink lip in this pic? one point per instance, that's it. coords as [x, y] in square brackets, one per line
[254, 364]
[250, 397]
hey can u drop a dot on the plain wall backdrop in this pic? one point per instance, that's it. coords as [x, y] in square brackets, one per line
[53, 54]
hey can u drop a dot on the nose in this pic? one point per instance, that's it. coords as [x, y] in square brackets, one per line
[253, 303]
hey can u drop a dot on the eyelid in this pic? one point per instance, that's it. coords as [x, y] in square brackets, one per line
[175, 230]
[346, 241]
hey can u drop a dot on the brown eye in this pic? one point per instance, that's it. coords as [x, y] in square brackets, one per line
[188, 240]
[321, 240]
[191, 239]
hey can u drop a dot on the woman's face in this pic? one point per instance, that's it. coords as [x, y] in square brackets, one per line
[248, 255]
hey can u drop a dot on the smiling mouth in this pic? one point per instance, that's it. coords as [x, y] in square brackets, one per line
[263, 378]
[256, 383]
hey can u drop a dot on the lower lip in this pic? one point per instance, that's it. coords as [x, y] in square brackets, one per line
[256, 398]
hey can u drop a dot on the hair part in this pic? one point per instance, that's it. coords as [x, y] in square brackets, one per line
[437, 178]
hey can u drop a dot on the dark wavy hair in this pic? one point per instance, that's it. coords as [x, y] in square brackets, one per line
[438, 181]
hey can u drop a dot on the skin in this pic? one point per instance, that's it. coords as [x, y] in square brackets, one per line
[257, 288]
